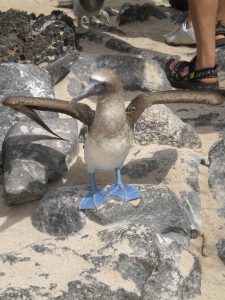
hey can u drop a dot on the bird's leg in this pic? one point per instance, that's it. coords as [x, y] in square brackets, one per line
[94, 198]
[125, 192]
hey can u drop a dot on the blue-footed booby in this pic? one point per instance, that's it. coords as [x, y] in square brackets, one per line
[110, 127]
[90, 9]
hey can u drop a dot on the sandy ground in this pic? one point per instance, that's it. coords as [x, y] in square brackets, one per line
[16, 230]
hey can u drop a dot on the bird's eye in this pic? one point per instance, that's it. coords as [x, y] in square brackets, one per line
[104, 84]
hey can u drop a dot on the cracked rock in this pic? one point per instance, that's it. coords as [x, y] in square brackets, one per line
[22, 80]
[32, 157]
[136, 74]
[159, 125]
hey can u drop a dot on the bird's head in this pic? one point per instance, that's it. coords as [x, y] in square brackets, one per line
[102, 83]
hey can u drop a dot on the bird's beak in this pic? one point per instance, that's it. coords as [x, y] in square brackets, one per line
[94, 88]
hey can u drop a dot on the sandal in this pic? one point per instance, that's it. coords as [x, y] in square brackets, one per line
[220, 30]
[193, 79]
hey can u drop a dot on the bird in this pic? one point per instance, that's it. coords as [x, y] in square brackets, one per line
[110, 127]
[90, 9]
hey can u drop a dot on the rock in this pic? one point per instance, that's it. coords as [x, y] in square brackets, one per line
[122, 262]
[135, 73]
[32, 157]
[221, 249]
[32, 39]
[159, 125]
[58, 213]
[24, 80]
[217, 174]
[131, 13]
[159, 209]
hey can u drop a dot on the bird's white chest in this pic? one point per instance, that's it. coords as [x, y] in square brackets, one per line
[106, 154]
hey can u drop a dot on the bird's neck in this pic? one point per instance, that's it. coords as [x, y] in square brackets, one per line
[110, 114]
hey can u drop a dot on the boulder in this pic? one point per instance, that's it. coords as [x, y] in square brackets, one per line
[32, 158]
[22, 80]
[159, 125]
[136, 74]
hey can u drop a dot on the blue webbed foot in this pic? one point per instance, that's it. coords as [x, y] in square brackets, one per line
[125, 192]
[93, 200]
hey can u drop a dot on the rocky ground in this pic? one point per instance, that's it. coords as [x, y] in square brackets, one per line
[168, 245]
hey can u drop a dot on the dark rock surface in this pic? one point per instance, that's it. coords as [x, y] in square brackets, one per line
[221, 249]
[32, 157]
[135, 73]
[35, 39]
[217, 174]
[159, 125]
[22, 80]
[58, 212]
[131, 13]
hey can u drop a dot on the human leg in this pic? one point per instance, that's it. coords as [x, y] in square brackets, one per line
[201, 72]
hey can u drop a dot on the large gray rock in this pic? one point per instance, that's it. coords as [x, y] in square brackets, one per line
[122, 262]
[136, 74]
[33, 157]
[21, 80]
[159, 209]
[217, 174]
[159, 125]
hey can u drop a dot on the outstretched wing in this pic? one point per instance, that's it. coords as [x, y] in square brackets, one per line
[26, 105]
[145, 100]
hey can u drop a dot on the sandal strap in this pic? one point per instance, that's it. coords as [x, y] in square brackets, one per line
[193, 75]
[220, 28]
[204, 73]
[201, 73]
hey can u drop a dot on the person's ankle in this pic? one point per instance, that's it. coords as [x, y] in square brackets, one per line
[204, 64]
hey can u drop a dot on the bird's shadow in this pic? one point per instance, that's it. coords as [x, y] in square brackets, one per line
[147, 170]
